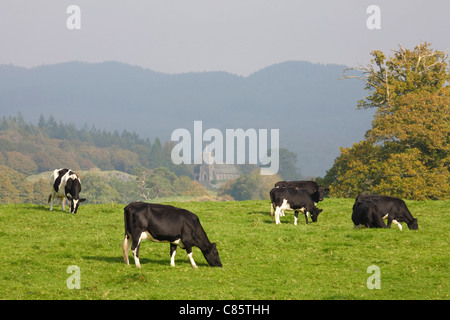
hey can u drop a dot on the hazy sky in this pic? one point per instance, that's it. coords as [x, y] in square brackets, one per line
[237, 36]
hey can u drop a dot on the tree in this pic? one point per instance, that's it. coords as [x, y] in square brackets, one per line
[194, 188]
[8, 192]
[288, 165]
[156, 155]
[41, 191]
[97, 190]
[123, 160]
[162, 183]
[406, 152]
[14, 187]
[252, 186]
[407, 71]
[21, 162]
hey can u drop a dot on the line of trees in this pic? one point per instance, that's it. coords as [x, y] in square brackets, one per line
[31, 149]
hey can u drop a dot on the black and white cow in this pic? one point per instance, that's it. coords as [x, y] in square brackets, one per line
[313, 188]
[164, 223]
[292, 199]
[394, 209]
[66, 184]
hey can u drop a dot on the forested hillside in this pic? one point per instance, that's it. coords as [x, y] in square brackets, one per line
[31, 149]
[27, 150]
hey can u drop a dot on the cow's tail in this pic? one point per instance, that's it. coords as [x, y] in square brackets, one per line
[272, 208]
[125, 244]
[126, 213]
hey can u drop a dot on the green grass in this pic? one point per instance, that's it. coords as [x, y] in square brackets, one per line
[323, 260]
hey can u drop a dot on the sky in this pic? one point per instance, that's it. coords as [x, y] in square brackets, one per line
[236, 36]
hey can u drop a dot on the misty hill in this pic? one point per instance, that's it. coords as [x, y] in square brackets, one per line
[314, 111]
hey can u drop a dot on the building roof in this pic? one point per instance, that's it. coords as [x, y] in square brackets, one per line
[226, 168]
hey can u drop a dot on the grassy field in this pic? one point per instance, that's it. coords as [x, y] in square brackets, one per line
[323, 260]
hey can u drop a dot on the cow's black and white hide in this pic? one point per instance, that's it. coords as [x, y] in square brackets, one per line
[164, 223]
[292, 199]
[66, 185]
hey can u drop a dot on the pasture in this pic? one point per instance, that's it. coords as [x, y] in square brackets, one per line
[261, 260]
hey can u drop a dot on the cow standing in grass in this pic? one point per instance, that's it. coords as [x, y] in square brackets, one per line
[164, 223]
[293, 199]
[66, 185]
[315, 191]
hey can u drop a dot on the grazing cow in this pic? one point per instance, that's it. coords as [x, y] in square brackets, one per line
[313, 188]
[394, 209]
[366, 214]
[164, 223]
[66, 184]
[293, 199]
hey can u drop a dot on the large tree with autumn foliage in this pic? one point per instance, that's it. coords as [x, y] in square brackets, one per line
[406, 152]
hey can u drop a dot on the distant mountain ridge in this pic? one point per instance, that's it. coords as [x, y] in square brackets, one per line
[315, 112]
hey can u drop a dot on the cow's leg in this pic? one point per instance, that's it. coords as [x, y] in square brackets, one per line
[277, 215]
[189, 254]
[377, 221]
[389, 219]
[135, 248]
[173, 251]
[50, 199]
[63, 202]
[136, 255]
[271, 210]
[398, 224]
[125, 248]
[295, 217]
[306, 213]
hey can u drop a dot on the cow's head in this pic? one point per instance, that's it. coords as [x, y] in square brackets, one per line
[74, 203]
[315, 213]
[212, 256]
[321, 191]
[413, 224]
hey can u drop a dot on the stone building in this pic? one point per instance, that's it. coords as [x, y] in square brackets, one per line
[217, 172]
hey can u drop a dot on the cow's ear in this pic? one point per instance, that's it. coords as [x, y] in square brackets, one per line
[82, 200]
[69, 197]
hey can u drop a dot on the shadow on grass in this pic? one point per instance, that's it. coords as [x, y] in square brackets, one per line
[271, 219]
[56, 209]
[42, 207]
[143, 261]
[265, 213]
